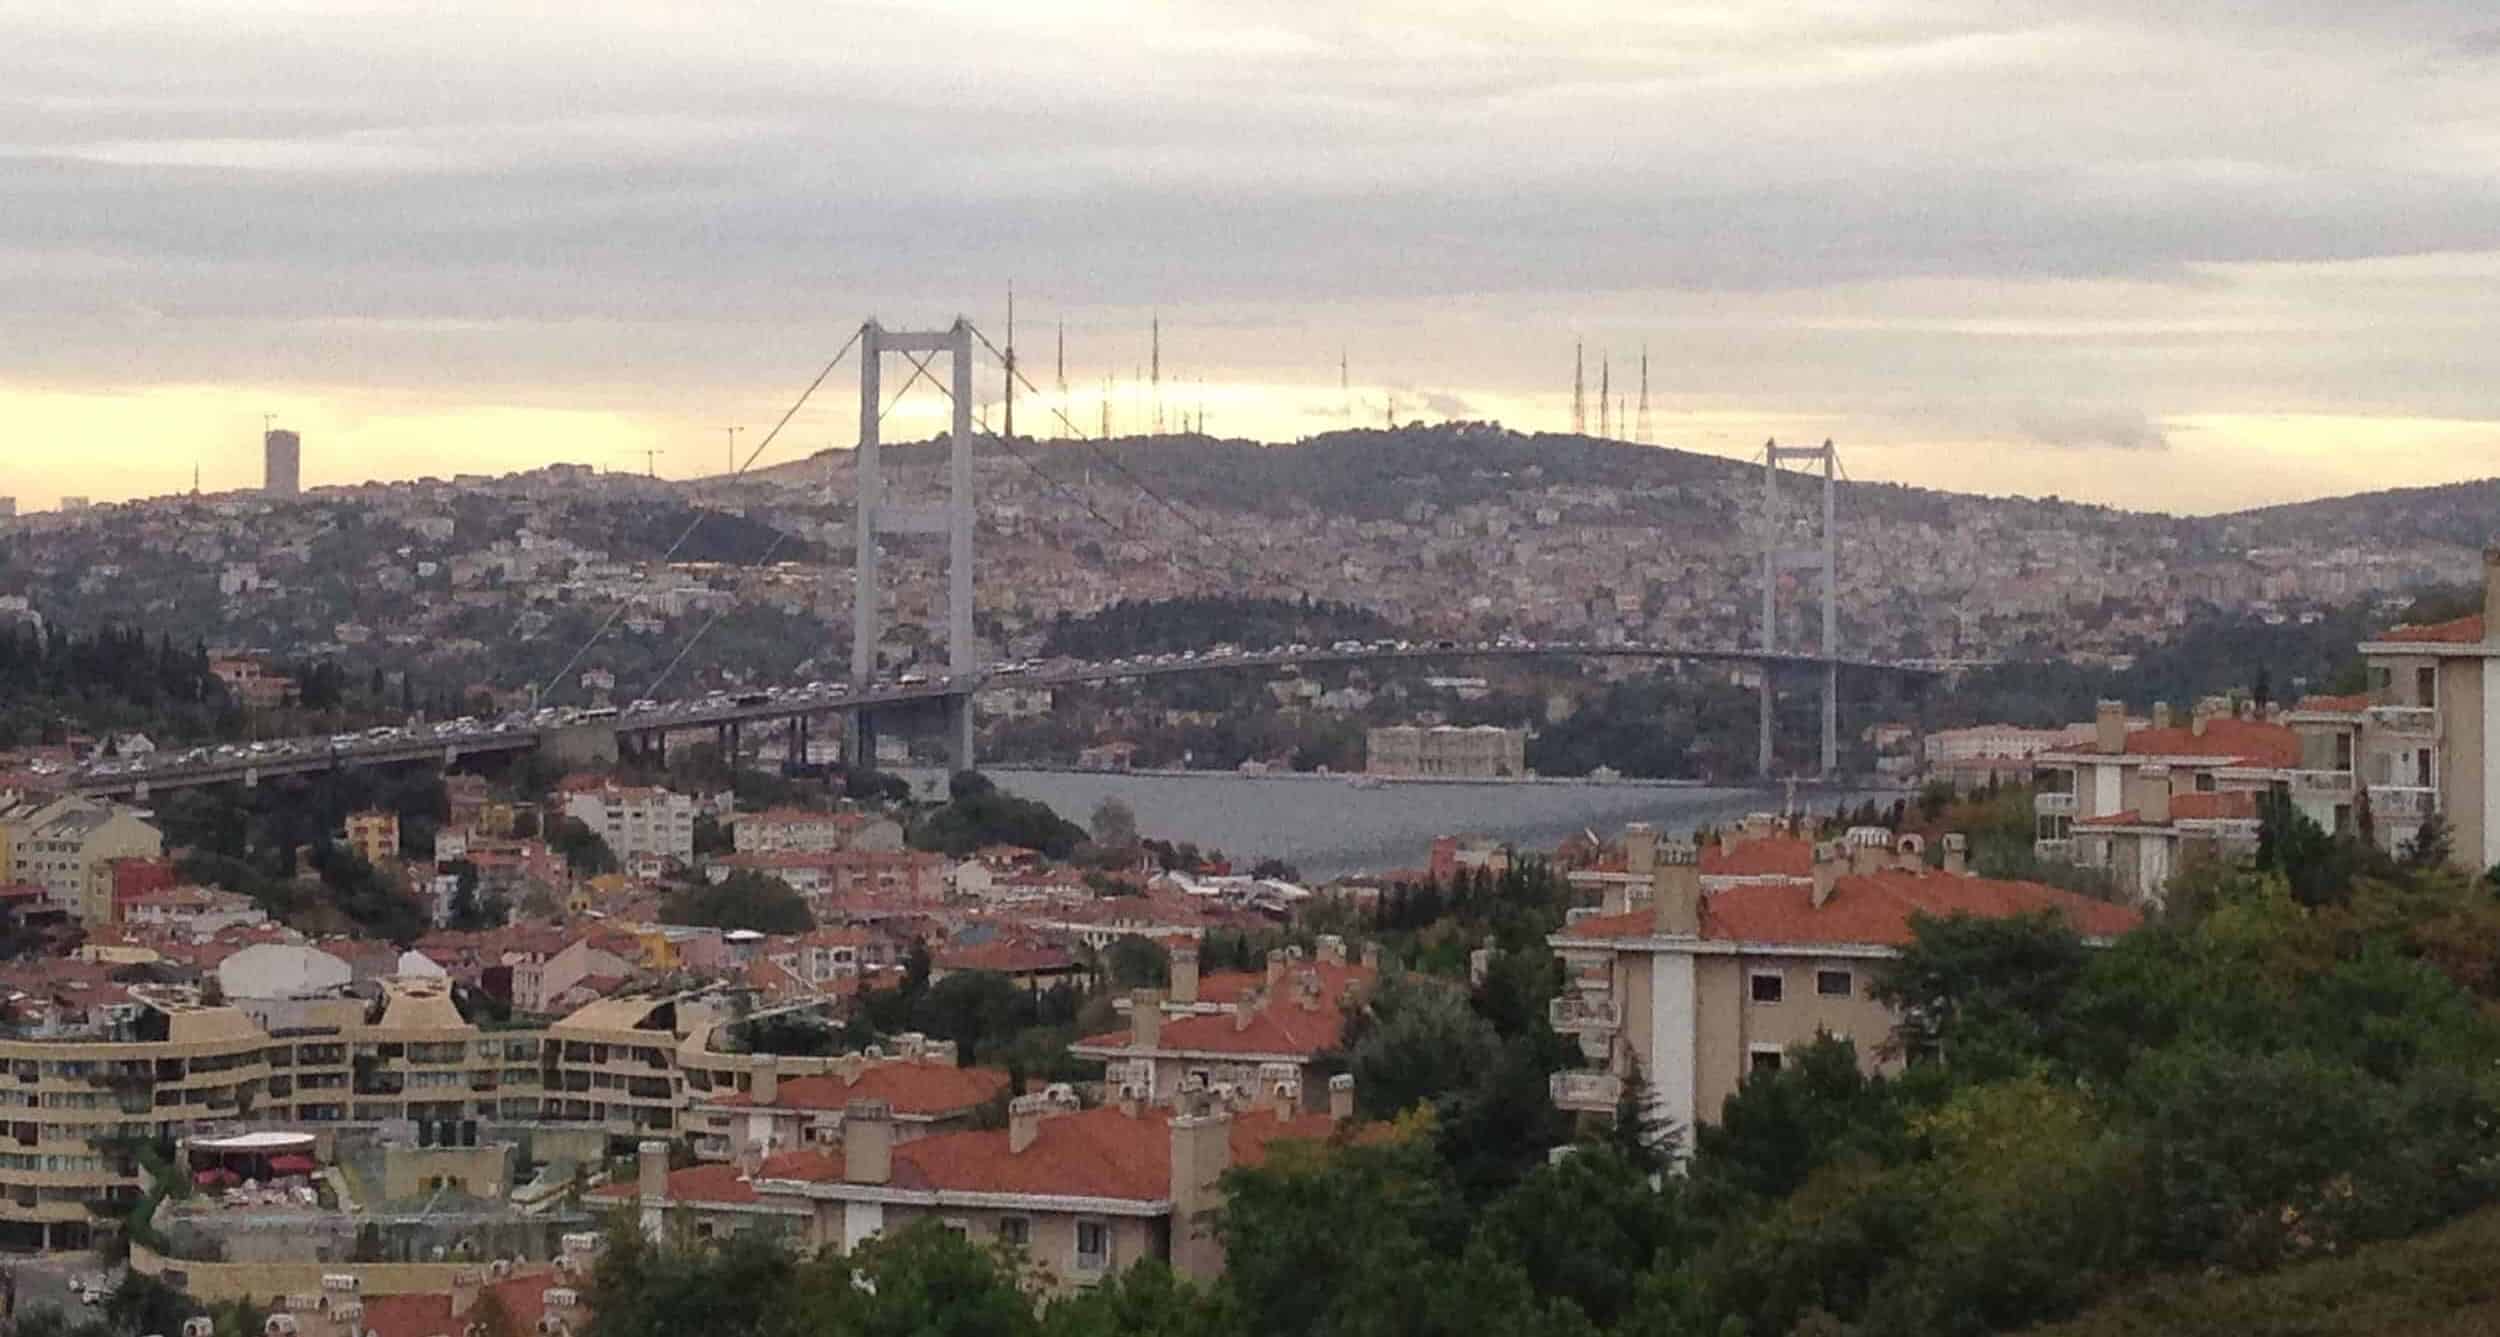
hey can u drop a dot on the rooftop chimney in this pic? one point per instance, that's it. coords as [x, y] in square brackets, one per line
[1332, 949]
[1132, 1098]
[2109, 728]
[1024, 1121]
[1371, 956]
[1675, 892]
[2161, 714]
[1145, 1019]
[1640, 849]
[1202, 1150]
[848, 1068]
[2206, 708]
[867, 1142]
[1865, 856]
[764, 1083]
[1341, 1097]
[1184, 972]
[2152, 801]
[2491, 592]
[1910, 853]
[651, 1175]
[1246, 1007]
[1275, 966]
[1830, 859]
[1956, 853]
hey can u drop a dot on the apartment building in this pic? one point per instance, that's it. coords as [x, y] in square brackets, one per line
[921, 1085]
[2424, 735]
[1481, 752]
[799, 830]
[1284, 1024]
[374, 835]
[2143, 803]
[1080, 1193]
[1701, 990]
[638, 822]
[67, 847]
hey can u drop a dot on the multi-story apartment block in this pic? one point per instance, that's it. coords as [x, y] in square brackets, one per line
[374, 835]
[637, 821]
[1700, 990]
[921, 1085]
[1281, 1025]
[798, 830]
[2145, 802]
[2424, 735]
[67, 846]
[1081, 1193]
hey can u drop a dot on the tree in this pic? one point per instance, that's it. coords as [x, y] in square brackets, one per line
[1138, 963]
[585, 851]
[1420, 1041]
[711, 835]
[1643, 1137]
[743, 900]
[2433, 843]
[1114, 825]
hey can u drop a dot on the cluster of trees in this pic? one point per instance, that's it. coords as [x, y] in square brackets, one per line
[249, 841]
[142, 1306]
[992, 1019]
[978, 813]
[742, 900]
[114, 677]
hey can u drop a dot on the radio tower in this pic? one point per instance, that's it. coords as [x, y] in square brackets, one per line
[1154, 361]
[1009, 357]
[1640, 432]
[1064, 405]
[1345, 384]
[1579, 392]
[1605, 397]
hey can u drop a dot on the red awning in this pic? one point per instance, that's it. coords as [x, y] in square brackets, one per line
[293, 1165]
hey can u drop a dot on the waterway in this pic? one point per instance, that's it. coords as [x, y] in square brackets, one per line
[1327, 826]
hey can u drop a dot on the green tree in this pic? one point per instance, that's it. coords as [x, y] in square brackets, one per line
[1137, 962]
[1419, 1041]
[743, 900]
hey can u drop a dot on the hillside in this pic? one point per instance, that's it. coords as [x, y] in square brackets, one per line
[2467, 514]
[2438, 1284]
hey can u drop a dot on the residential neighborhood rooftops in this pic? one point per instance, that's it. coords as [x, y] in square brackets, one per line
[1864, 910]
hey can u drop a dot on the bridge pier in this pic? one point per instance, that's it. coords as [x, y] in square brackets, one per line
[1831, 718]
[958, 715]
[862, 751]
[1762, 759]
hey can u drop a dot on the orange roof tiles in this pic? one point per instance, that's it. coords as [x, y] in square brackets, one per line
[408, 1316]
[911, 1087]
[1763, 856]
[2466, 630]
[1281, 1027]
[2259, 742]
[1231, 986]
[2228, 805]
[1869, 909]
[1096, 1153]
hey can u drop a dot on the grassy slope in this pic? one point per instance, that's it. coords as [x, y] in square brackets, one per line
[2441, 1284]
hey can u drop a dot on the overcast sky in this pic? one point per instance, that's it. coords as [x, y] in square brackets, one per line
[2184, 254]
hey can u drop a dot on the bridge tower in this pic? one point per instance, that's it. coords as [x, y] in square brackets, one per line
[879, 516]
[1824, 557]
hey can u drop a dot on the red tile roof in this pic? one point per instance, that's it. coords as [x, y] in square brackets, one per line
[910, 1086]
[1871, 909]
[723, 1185]
[1763, 856]
[2334, 705]
[1281, 1027]
[1096, 1153]
[1231, 986]
[2257, 742]
[408, 1316]
[2466, 630]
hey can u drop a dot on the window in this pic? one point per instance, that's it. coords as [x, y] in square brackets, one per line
[1834, 983]
[957, 1227]
[1769, 986]
[1015, 1230]
[2205, 782]
[1093, 1246]
[1764, 1060]
[2426, 685]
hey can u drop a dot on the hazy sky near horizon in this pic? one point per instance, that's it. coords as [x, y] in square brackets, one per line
[2191, 255]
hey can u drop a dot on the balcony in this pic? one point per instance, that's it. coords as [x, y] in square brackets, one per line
[1582, 1012]
[2322, 784]
[2051, 803]
[1598, 1091]
[2402, 802]
[2410, 721]
[2063, 851]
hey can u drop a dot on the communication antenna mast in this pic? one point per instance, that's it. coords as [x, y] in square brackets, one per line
[1579, 390]
[1009, 357]
[1345, 383]
[1154, 362]
[1605, 397]
[1106, 408]
[733, 447]
[1064, 405]
[1640, 431]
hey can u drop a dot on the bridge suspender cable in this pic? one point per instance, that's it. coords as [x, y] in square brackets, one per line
[691, 525]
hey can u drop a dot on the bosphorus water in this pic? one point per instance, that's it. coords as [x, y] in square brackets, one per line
[1327, 826]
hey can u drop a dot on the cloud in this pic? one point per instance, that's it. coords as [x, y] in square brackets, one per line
[2078, 428]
